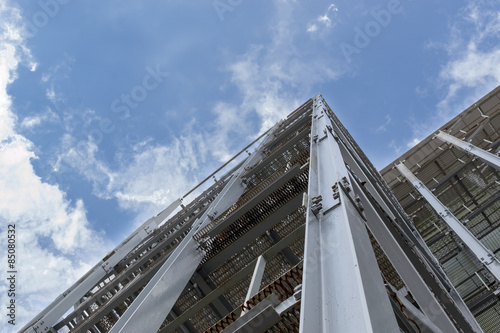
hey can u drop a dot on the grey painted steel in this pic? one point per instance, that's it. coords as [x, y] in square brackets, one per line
[386, 234]
[469, 148]
[251, 235]
[423, 322]
[258, 319]
[482, 253]
[275, 249]
[150, 308]
[217, 305]
[407, 236]
[50, 316]
[412, 278]
[258, 273]
[342, 288]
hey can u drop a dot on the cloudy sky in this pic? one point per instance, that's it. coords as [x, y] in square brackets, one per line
[111, 109]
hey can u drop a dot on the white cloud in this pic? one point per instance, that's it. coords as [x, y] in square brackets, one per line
[383, 127]
[325, 20]
[148, 180]
[273, 79]
[312, 27]
[55, 244]
[413, 143]
[31, 122]
[473, 66]
[474, 62]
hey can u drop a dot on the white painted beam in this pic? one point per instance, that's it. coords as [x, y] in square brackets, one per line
[469, 148]
[481, 252]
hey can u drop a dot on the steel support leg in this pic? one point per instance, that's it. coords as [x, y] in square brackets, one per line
[342, 287]
[469, 148]
[483, 254]
[258, 273]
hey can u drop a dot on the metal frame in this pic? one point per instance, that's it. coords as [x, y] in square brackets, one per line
[148, 311]
[469, 148]
[49, 317]
[354, 300]
[172, 272]
[480, 251]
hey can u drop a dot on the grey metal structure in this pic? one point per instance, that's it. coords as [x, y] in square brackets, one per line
[449, 184]
[303, 235]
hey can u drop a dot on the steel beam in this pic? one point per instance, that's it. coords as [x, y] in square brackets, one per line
[50, 316]
[258, 273]
[410, 268]
[403, 231]
[342, 288]
[148, 311]
[289, 255]
[235, 279]
[423, 323]
[217, 306]
[469, 148]
[252, 234]
[479, 250]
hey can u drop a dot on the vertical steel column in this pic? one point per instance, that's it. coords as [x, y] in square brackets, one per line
[342, 287]
[482, 253]
[150, 308]
[420, 255]
[408, 254]
[469, 148]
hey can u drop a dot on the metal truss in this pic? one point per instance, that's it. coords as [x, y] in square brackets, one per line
[301, 236]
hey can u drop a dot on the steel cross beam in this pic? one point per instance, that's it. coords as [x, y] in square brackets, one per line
[469, 148]
[479, 250]
[51, 314]
[413, 271]
[342, 287]
[150, 308]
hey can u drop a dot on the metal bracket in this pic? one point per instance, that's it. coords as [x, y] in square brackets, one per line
[213, 215]
[107, 267]
[149, 230]
[344, 184]
[316, 206]
[335, 189]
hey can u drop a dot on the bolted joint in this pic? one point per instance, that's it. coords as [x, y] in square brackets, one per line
[335, 189]
[212, 216]
[316, 206]
[346, 185]
[149, 229]
[357, 199]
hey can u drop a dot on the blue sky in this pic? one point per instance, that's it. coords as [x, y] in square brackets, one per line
[111, 109]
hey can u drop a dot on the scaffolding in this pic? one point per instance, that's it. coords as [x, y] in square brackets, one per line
[303, 235]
